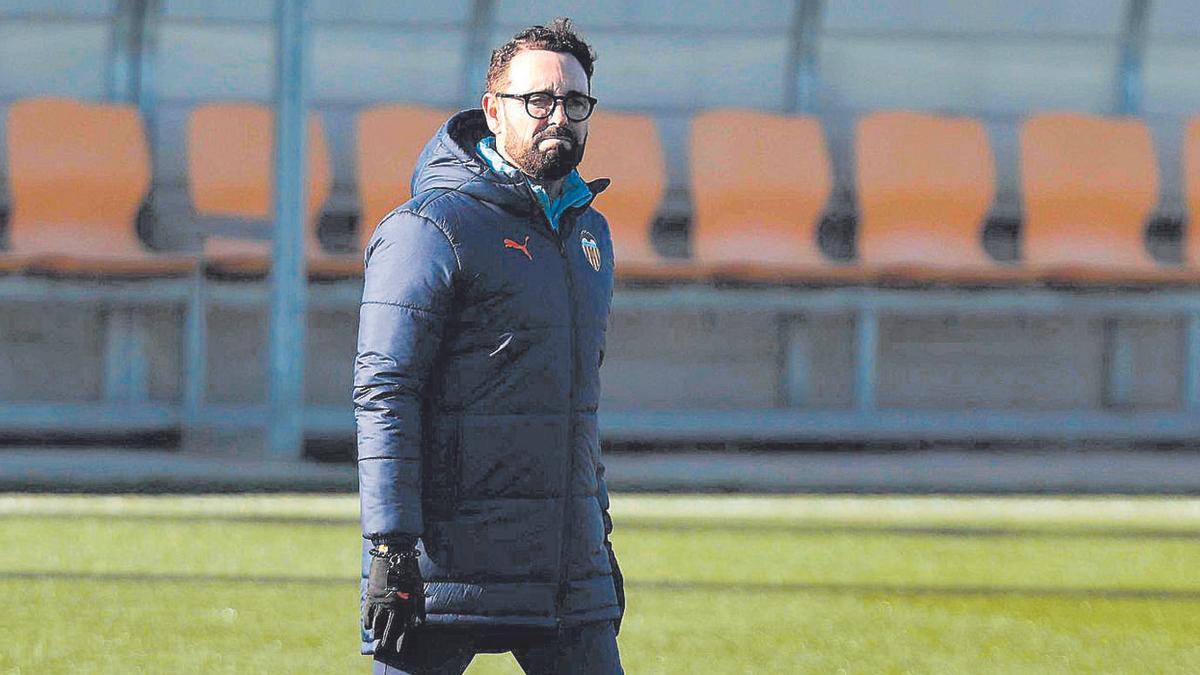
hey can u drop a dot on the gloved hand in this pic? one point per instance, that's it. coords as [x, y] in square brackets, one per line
[395, 599]
[618, 584]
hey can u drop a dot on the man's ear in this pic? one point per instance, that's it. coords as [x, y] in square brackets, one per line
[491, 111]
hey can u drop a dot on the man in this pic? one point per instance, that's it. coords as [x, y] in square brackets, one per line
[481, 334]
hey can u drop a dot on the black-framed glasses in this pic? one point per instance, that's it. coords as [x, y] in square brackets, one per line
[540, 104]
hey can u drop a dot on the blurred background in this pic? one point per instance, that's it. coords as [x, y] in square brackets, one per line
[838, 224]
[938, 250]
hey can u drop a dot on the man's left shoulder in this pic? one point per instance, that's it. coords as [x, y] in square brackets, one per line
[595, 222]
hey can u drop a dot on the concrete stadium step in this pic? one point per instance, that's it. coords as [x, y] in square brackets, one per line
[1052, 470]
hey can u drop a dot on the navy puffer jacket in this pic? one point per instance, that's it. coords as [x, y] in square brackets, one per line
[476, 384]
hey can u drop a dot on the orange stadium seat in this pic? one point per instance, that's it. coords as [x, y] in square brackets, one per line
[760, 183]
[79, 173]
[1191, 187]
[1090, 184]
[925, 186]
[231, 174]
[389, 139]
[626, 148]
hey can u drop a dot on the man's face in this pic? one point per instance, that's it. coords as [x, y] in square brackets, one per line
[545, 149]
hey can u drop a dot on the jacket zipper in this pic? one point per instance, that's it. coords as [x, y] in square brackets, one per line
[563, 563]
[565, 225]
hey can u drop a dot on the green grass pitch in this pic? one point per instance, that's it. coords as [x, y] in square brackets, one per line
[716, 584]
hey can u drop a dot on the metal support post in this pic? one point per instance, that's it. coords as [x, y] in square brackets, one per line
[123, 48]
[1118, 364]
[125, 370]
[796, 362]
[147, 93]
[866, 355]
[1191, 371]
[116, 351]
[800, 85]
[195, 350]
[1129, 67]
[138, 367]
[288, 279]
[479, 39]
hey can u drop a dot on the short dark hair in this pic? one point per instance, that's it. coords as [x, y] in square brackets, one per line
[560, 37]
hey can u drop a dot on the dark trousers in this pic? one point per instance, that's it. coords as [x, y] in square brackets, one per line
[589, 649]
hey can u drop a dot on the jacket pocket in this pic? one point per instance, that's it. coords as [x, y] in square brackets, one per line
[511, 540]
[442, 466]
[492, 364]
[505, 341]
[512, 456]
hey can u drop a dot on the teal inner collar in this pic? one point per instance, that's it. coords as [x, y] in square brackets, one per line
[575, 191]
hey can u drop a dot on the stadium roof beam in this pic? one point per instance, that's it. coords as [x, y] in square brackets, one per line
[288, 277]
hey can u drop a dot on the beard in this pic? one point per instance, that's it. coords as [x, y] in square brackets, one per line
[553, 163]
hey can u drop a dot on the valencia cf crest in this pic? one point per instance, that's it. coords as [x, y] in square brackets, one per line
[591, 250]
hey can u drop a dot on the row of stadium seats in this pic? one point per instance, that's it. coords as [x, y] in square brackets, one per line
[80, 172]
[925, 185]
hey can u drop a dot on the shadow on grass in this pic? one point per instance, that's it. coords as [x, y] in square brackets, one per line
[749, 527]
[742, 586]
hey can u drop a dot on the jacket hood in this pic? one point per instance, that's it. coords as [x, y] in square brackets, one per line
[449, 161]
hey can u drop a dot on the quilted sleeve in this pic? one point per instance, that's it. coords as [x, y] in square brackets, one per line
[411, 265]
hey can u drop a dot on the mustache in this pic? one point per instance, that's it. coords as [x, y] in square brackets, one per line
[556, 132]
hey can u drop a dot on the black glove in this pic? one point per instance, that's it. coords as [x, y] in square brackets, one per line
[618, 584]
[395, 599]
